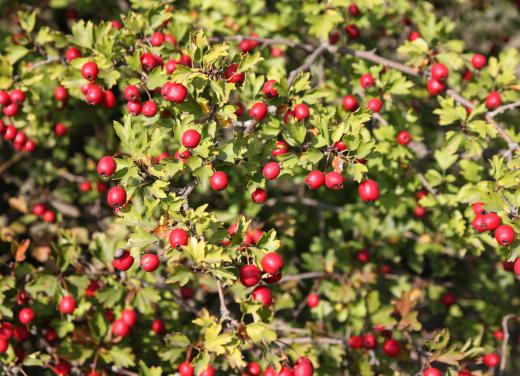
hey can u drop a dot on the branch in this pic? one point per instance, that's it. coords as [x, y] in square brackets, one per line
[307, 63]
[426, 185]
[225, 314]
[503, 349]
[504, 108]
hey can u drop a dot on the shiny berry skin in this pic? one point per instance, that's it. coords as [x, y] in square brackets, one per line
[129, 316]
[435, 87]
[94, 95]
[149, 109]
[60, 130]
[67, 305]
[170, 39]
[414, 35]
[419, 211]
[369, 341]
[353, 10]
[21, 333]
[504, 235]
[4, 344]
[106, 166]
[263, 294]
[339, 146]
[109, 99]
[313, 300]
[158, 326]
[10, 132]
[178, 237]
[259, 196]
[404, 138]
[478, 207]
[374, 105]
[467, 75]
[17, 96]
[334, 180]
[116, 196]
[276, 52]
[315, 179]
[219, 181]
[432, 372]
[439, 72]
[391, 347]
[134, 108]
[49, 216]
[478, 61]
[272, 263]
[478, 223]
[62, 368]
[157, 39]
[72, 53]
[4, 98]
[356, 342]
[258, 111]
[176, 93]
[39, 209]
[334, 37]
[148, 62]
[11, 109]
[116, 24]
[363, 256]
[353, 31]
[239, 112]
[516, 266]
[498, 334]
[271, 170]
[190, 138]
[119, 328]
[270, 371]
[61, 94]
[26, 315]
[149, 262]
[233, 76]
[448, 299]
[183, 156]
[280, 148]
[254, 369]
[349, 103]
[269, 90]
[89, 71]
[20, 138]
[366, 81]
[250, 275]
[301, 111]
[491, 221]
[491, 360]
[493, 100]
[132, 93]
[303, 367]
[368, 190]
[29, 146]
[123, 260]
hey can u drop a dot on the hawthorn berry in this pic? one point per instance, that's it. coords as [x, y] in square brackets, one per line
[116, 196]
[269, 90]
[419, 211]
[259, 196]
[303, 367]
[116, 24]
[363, 256]
[158, 326]
[250, 275]
[4, 344]
[10, 132]
[157, 39]
[39, 209]
[448, 299]
[271, 170]
[280, 148]
[504, 235]
[26, 315]
[49, 216]
[498, 334]
[404, 138]
[149, 262]
[67, 305]
[301, 111]
[369, 341]
[262, 294]
[254, 369]
[368, 190]
[178, 237]
[232, 75]
[258, 111]
[219, 181]
[356, 342]
[313, 300]
[90, 71]
[366, 80]
[132, 93]
[315, 179]
[478, 223]
[353, 10]
[374, 105]
[149, 108]
[94, 95]
[182, 156]
[432, 372]
[273, 278]
[60, 130]
[334, 37]
[17, 96]
[434, 86]
[353, 31]
[350, 103]
[478, 208]
[210, 371]
[129, 316]
[176, 92]
[134, 108]
[478, 61]
[4, 98]
[72, 53]
[119, 328]
[109, 99]
[414, 35]
[270, 371]
[61, 94]
[11, 109]
[491, 221]
[190, 138]
[123, 260]
[239, 112]
[339, 146]
[285, 371]
[391, 347]
[333, 180]
[493, 100]
[491, 360]
[106, 166]
[439, 71]
[516, 266]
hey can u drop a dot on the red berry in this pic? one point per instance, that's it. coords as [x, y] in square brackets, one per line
[391, 347]
[350, 103]
[183, 156]
[116, 24]
[276, 52]
[493, 100]
[369, 341]
[148, 62]
[4, 98]
[190, 138]
[313, 300]
[467, 75]
[26, 315]
[233, 76]
[404, 138]
[178, 237]
[504, 235]
[478, 61]
[280, 148]
[123, 260]
[85, 186]
[132, 93]
[29, 146]
[272, 263]
[129, 316]
[368, 190]
[491, 360]
[414, 35]
[273, 278]
[262, 294]
[49, 216]
[491, 221]
[4, 344]
[60, 130]
[478, 223]
[366, 80]
[106, 166]
[239, 109]
[67, 305]
[448, 299]
[303, 367]
[119, 328]
[176, 92]
[356, 342]
[109, 99]
[61, 94]
[17, 96]
[334, 180]
[315, 179]
[39, 209]
[334, 37]
[435, 87]
[363, 256]
[353, 31]
[149, 262]
[170, 39]
[94, 95]
[149, 109]
[339, 146]
[62, 368]
[439, 72]
[301, 111]
[258, 111]
[478, 207]
[116, 196]
[185, 369]
[134, 108]
[72, 53]
[353, 10]
[90, 71]
[259, 196]
[20, 138]
[250, 275]
[374, 105]
[254, 369]
[10, 132]
[157, 39]
[285, 371]
[158, 326]
[516, 266]
[498, 334]
[419, 211]
[187, 292]
[11, 109]
[271, 170]
[432, 372]
[269, 90]
[219, 181]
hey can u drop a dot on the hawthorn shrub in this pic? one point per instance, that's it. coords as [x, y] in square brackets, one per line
[259, 188]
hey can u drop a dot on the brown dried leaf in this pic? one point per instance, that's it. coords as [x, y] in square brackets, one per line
[41, 253]
[337, 164]
[19, 203]
[22, 250]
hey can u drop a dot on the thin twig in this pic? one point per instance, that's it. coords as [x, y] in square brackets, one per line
[503, 349]
[426, 185]
[307, 63]
[225, 314]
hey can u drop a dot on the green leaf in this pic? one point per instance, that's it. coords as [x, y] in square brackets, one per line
[260, 332]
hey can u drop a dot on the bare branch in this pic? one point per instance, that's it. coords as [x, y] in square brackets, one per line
[307, 63]
[503, 349]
